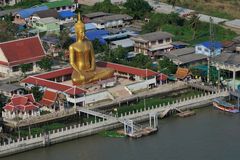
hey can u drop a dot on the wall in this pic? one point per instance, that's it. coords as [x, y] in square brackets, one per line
[92, 98]
[141, 85]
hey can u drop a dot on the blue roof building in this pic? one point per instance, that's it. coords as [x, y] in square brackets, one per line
[206, 47]
[95, 34]
[88, 26]
[66, 14]
[25, 13]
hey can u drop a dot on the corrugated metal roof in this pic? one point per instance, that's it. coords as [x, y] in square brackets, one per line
[66, 14]
[25, 13]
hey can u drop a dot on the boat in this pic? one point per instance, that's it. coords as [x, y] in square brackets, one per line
[225, 106]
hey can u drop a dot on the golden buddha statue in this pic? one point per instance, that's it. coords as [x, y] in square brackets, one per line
[82, 59]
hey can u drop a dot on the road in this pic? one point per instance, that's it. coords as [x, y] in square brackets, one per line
[167, 9]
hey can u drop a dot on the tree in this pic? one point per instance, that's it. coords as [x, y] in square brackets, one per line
[137, 8]
[37, 92]
[173, 2]
[64, 39]
[3, 100]
[166, 66]
[194, 22]
[46, 63]
[7, 30]
[98, 47]
[106, 6]
[26, 67]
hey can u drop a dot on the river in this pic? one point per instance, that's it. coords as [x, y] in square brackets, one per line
[209, 135]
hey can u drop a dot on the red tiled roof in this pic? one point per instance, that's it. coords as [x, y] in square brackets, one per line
[162, 77]
[52, 85]
[21, 103]
[57, 73]
[22, 51]
[49, 98]
[127, 69]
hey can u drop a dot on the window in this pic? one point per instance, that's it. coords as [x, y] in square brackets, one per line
[15, 68]
[168, 40]
[58, 8]
[160, 41]
[206, 50]
[64, 7]
[199, 48]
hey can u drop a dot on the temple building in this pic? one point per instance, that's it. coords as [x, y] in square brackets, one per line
[17, 52]
[21, 106]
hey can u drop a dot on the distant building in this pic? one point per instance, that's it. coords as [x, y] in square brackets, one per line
[8, 12]
[22, 107]
[9, 2]
[17, 52]
[45, 14]
[49, 24]
[61, 5]
[185, 57]
[10, 89]
[153, 44]
[66, 16]
[206, 47]
[125, 43]
[179, 44]
[112, 21]
[24, 15]
[88, 17]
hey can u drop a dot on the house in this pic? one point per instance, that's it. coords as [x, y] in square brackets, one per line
[228, 61]
[44, 14]
[21, 106]
[183, 73]
[118, 34]
[17, 52]
[153, 44]
[9, 12]
[23, 16]
[125, 43]
[206, 47]
[185, 57]
[49, 24]
[179, 45]
[66, 16]
[10, 89]
[111, 21]
[61, 5]
[88, 17]
[50, 101]
[9, 2]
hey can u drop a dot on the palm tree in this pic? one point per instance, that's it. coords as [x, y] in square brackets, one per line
[194, 21]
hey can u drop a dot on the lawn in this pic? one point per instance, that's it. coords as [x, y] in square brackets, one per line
[153, 101]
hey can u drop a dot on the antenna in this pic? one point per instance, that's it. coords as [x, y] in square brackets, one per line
[212, 47]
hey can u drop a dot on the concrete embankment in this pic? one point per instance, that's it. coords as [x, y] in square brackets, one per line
[77, 131]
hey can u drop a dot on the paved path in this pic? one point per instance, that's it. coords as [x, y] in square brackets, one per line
[167, 9]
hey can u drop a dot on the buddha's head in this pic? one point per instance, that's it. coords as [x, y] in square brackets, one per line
[80, 28]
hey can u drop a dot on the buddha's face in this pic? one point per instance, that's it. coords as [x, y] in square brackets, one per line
[80, 34]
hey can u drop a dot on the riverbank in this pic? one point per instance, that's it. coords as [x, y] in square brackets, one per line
[77, 131]
[198, 137]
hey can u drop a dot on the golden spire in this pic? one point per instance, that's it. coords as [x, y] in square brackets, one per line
[79, 25]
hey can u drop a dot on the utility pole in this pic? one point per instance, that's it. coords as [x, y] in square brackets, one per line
[212, 48]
